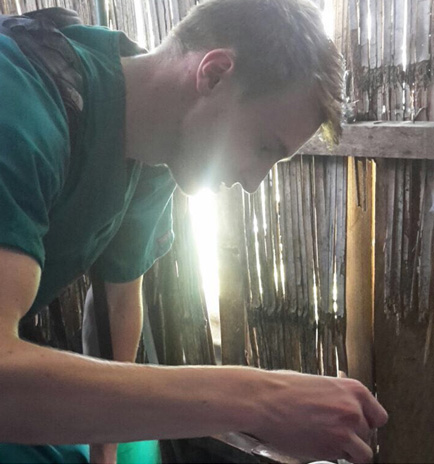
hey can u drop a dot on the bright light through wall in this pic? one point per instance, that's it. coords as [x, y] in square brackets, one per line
[328, 18]
[204, 219]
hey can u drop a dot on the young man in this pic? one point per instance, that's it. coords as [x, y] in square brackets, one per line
[239, 85]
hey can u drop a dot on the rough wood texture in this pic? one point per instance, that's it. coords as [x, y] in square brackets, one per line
[403, 326]
[360, 272]
[379, 140]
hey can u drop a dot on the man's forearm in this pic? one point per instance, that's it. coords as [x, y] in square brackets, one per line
[124, 303]
[125, 330]
[78, 400]
[125, 311]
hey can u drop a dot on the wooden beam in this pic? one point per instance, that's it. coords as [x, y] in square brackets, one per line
[359, 271]
[410, 140]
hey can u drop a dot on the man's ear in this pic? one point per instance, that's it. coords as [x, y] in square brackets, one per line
[215, 65]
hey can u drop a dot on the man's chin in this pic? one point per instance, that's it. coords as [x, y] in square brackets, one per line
[190, 189]
[194, 189]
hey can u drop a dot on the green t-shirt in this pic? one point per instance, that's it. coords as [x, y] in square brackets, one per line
[71, 210]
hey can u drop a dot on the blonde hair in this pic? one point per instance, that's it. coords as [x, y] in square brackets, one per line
[277, 43]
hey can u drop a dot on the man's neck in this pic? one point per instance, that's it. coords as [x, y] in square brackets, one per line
[159, 93]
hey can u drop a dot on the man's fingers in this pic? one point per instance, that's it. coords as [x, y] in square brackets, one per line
[375, 414]
[364, 431]
[358, 451]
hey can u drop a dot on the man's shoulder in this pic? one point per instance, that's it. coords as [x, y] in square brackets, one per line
[102, 40]
[11, 55]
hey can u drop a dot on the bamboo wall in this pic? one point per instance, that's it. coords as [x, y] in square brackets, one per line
[387, 45]
[291, 248]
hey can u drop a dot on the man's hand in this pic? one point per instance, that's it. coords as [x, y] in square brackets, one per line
[313, 417]
[103, 453]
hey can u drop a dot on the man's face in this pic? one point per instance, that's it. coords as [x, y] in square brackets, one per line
[228, 140]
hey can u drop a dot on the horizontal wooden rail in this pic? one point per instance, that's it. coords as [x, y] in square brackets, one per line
[379, 139]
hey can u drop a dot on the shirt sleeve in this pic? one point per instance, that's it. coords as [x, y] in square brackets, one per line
[33, 148]
[146, 231]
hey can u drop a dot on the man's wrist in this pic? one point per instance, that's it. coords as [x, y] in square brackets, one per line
[247, 393]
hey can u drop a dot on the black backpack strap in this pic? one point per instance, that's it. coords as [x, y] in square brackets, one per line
[60, 17]
[38, 36]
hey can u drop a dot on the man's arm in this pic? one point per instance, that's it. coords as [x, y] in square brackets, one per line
[48, 396]
[126, 318]
[125, 308]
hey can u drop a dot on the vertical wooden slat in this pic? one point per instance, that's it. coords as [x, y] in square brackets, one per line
[407, 251]
[354, 58]
[388, 246]
[422, 57]
[328, 308]
[308, 223]
[398, 47]
[174, 11]
[378, 22]
[232, 271]
[8, 7]
[253, 272]
[268, 211]
[340, 18]
[359, 280]
[168, 302]
[364, 53]
[299, 289]
[261, 330]
[426, 263]
[278, 319]
[396, 246]
[364, 36]
[422, 30]
[387, 55]
[322, 213]
[253, 297]
[398, 23]
[372, 18]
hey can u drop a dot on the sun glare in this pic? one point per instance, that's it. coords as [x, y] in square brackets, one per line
[328, 18]
[204, 220]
